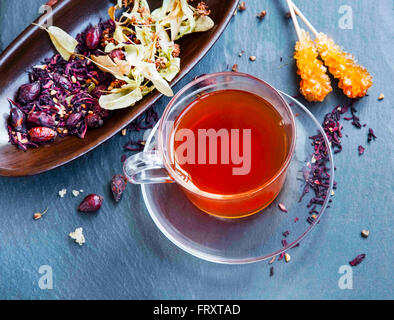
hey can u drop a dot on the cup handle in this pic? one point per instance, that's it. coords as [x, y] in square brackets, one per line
[146, 168]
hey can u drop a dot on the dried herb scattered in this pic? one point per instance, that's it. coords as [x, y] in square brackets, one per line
[357, 260]
[91, 203]
[371, 135]
[361, 150]
[271, 271]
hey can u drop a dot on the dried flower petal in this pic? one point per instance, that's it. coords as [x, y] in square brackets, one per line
[357, 260]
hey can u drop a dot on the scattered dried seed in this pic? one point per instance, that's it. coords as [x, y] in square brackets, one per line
[235, 68]
[262, 14]
[271, 271]
[282, 207]
[272, 260]
[242, 6]
[365, 233]
[381, 96]
[361, 150]
[252, 58]
[124, 131]
[287, 257]
[241, 53]
[38, 215]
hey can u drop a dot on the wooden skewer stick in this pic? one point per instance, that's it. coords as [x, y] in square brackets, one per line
[303, 18]
[294, 18]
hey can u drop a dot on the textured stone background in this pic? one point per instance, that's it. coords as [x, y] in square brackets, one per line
[127, 257]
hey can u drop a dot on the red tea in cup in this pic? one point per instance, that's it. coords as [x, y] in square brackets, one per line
[231, 144]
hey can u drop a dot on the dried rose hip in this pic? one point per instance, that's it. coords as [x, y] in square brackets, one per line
[94, 120]
[73, 120]
[40, 118]
[17, 119]
[91, 203]
[62, 81]
[29, 92]
[117, 53]
[118, 185]
[42, 134]
[92, 40]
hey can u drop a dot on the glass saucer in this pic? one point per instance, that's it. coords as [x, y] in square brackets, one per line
[254, 238]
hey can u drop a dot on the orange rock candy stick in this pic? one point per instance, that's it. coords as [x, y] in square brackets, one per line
[315, 83]
[354, 79]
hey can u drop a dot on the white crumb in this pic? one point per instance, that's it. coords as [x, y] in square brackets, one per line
[75, 193]
[62, 193]
[78, 236]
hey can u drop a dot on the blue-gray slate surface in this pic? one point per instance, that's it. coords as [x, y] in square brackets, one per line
[126, 257]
